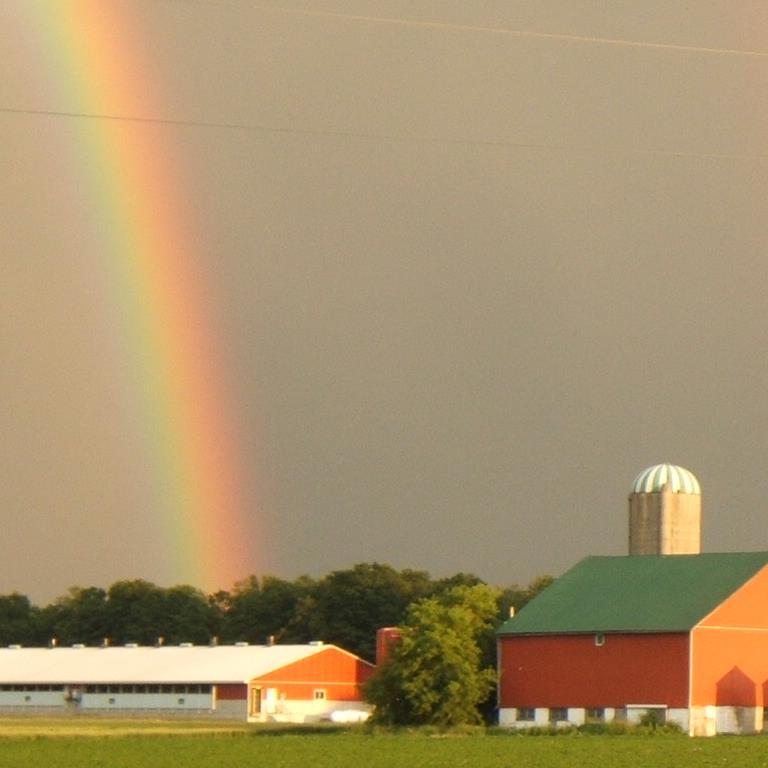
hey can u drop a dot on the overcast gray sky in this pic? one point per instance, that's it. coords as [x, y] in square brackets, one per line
[473, 267]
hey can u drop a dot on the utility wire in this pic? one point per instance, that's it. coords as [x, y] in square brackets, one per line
[395, 137]
[479, 28]
[386, 137]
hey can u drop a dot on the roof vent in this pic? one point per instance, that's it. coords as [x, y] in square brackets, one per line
[316, 642]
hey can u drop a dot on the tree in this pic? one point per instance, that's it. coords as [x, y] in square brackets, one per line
[189, 616]
[135, 612]
[80, 616]
[18, 620]
[518, 597]
[270, 607]
[435, 675]
[461, 579]
[349, 606]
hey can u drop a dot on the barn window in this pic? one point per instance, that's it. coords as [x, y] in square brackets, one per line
[599, 639]
[595, 715]
[558, 714]
[526, 713]
[319, 694]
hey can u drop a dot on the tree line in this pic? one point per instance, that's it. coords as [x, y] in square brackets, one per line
[345, 607]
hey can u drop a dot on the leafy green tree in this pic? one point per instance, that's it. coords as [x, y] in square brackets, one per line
[188, 617]
[345, 607]
[80, 616]
[435, 675]
[136, 612]
[460, 579]
[19, 620]
[348, 607]
[518, 597]
[257, 610]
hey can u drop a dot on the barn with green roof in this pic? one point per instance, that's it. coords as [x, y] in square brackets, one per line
[684, 637]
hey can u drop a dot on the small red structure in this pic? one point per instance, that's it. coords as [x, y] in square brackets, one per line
[386, 639]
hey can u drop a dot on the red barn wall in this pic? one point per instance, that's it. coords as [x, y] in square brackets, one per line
[231, 691]
[572, 671]
[341, 675]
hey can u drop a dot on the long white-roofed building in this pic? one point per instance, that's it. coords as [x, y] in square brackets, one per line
[290, 683]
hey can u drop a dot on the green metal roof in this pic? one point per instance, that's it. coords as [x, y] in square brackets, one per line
[641, 593]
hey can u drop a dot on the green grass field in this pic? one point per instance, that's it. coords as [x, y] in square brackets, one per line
[136, 744]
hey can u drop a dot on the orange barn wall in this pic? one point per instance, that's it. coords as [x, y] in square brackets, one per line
[571, 671]
[340, 674]
[747, 607]
[730, 649]
[730, 667]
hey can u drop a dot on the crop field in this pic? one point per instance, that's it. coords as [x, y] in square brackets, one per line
[138, 744]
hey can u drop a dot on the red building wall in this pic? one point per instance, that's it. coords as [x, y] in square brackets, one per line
[340, 674]
[231, 691]
[386, 639]
[572, 671]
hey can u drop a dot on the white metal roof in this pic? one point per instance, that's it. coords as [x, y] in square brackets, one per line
[679, 480]
[167, 664]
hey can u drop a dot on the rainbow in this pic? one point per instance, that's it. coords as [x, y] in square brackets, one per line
[124, 164]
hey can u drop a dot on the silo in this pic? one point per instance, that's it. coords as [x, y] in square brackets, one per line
[665, 512]
[386, 639]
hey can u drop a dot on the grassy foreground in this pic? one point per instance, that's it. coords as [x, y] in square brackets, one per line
[137, 744]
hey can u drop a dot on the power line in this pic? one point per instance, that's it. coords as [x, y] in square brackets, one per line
[385, 137]
[141, 119]
[479, 28]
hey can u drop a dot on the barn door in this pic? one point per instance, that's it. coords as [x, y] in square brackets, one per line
[254, 706]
